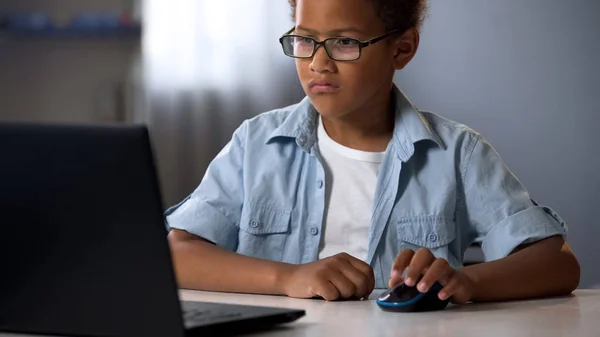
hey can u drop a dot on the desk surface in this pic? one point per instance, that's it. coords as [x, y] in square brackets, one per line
[577, 315]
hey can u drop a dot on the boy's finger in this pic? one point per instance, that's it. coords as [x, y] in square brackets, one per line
[364, 268]
[326, 290]
[439, 269]
[444, 280]
[344, 286]
[402, 261]
[358, 278]
[422, 259]
[450, 289]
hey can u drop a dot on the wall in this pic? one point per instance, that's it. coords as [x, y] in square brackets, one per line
[526, 75]
[66, 80]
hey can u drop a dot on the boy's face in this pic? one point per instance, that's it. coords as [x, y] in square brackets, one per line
[352, 85]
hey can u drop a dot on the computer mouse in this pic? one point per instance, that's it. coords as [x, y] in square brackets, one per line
[402, 298]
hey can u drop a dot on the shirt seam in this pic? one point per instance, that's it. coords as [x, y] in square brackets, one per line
[242, 144]
[467, 164]
[461, 205]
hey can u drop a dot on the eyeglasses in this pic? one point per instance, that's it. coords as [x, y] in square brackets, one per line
[337, 48]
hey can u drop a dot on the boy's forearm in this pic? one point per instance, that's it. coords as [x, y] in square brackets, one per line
[545, 268]
[201, 265]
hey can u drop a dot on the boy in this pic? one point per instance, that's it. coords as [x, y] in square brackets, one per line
[354, 188]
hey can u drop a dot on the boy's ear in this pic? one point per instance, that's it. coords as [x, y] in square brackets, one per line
[405, 48]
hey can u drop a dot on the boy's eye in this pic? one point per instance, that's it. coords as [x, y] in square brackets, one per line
[303, 40]
[346, 42]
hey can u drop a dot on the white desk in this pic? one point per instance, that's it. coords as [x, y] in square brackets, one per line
[578, 315]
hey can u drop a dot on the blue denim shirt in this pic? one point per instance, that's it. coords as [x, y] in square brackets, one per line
[441, 186]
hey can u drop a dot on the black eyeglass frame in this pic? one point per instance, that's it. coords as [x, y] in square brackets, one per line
[361, 44]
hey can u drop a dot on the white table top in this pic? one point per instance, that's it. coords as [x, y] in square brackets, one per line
[578, 315]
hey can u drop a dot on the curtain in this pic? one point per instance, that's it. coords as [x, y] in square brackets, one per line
[207, 65]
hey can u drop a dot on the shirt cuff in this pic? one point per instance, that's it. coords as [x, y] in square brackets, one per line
[530, 225]
[199, 218]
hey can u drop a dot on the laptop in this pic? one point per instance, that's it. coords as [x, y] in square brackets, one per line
[83, 245]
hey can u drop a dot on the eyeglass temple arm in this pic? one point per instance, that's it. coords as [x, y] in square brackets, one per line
[377, 39]
[288, 32]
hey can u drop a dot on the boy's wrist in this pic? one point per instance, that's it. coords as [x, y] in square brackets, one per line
[473, 273]
[282, 273]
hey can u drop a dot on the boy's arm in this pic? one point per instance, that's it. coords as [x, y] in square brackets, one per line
[208, 216]
[202, 265]
[522, 241]
[544, 268]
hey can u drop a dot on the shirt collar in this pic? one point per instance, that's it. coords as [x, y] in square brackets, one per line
[301, 124]
[410, 126]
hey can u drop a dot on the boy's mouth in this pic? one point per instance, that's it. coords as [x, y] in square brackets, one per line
[321, 86]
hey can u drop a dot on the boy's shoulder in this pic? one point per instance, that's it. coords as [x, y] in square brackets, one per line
[440, 122]
[272, 119]
[448, 130]
[263, 126]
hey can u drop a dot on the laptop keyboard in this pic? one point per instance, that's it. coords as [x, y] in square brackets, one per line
[205, 315]
[201, 316]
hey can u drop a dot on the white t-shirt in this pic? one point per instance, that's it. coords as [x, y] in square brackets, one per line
[351, 178]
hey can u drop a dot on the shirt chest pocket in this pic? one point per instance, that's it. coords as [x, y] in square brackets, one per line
[432, 232]
[263, 232]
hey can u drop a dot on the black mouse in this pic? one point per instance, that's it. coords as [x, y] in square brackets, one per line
[403, 298]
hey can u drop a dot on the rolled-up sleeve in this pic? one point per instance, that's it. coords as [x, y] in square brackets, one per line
[499, 207]
[213, 210]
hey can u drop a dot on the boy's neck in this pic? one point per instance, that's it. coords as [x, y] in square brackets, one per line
[368, 129]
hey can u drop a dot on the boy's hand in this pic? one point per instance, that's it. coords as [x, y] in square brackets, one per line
[457, 285]
[337, 277]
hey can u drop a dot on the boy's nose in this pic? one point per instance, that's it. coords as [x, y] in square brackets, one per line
[321, 62]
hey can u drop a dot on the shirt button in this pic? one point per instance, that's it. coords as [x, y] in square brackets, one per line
[320, 184]
[254, 224]
[301, 140]
[314, 231]
[433, 237]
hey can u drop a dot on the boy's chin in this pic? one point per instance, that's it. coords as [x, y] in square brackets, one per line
[329, 108]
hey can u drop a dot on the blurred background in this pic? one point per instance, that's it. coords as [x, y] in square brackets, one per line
[523, 73]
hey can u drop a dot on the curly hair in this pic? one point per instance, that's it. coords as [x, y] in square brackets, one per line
[395, 14]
